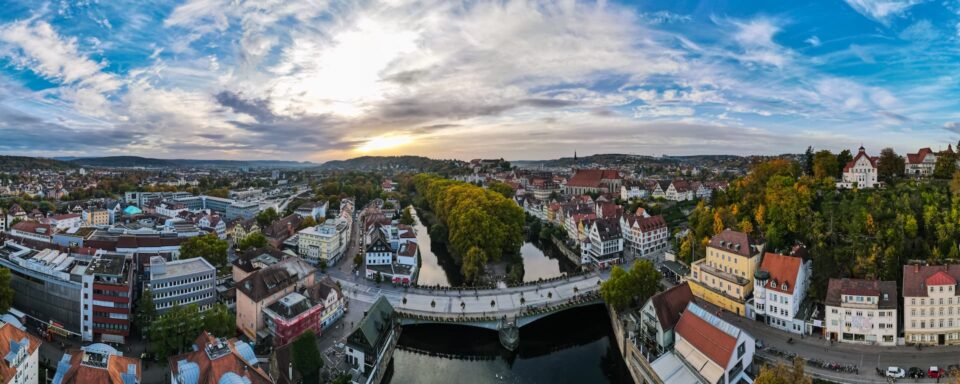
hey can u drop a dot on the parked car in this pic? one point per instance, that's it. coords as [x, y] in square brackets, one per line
[894, 372]
[916, 373]
[934, 373]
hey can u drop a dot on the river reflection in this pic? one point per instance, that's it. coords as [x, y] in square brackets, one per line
[570, 347]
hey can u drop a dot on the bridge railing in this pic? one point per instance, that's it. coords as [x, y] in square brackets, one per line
[494, 316]
[569, 277]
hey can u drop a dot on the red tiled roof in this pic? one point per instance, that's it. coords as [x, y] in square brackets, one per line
[861, 153]
[917, 158]
[709, 340]
[782, 269]
[32, 227]
[116, 367]
[916, 278]
[10, 333]
[941, 278]
[591, 177]
[212, 370]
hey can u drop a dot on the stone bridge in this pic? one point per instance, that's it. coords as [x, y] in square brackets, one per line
[505, 310]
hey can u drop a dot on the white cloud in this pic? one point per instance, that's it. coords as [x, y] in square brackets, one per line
[813, 41]
[37, 46]
[922, 30]
[755, 37]
[651, 111]
[882, 10]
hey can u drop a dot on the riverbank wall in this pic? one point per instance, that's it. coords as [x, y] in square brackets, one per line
[638, 366]
[566, 251]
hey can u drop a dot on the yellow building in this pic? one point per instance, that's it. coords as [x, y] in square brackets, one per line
[725, 276]
[243, 229]
[96, 217]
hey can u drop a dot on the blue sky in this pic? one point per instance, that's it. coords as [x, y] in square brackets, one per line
[318, 80]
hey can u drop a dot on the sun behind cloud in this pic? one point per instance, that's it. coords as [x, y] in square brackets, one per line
[385, 142]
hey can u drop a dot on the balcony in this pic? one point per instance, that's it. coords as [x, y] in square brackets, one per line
[706, 268]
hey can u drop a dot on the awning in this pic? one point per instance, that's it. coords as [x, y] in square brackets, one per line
[57, 329]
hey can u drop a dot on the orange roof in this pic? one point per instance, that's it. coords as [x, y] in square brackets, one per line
[782, 269]
[940, 278]
[116, 366]
[591, 177]
[9, 333]
[212, 370]
[709, 340]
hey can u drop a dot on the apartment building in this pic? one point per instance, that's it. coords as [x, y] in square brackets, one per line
[21, 351]
[106, 299]
[931, 306]
[265, 286]
[861, 311]
[725, 276]
[780, 285]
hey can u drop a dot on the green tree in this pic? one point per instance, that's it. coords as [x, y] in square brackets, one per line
[502, 188]
[473, 264]
[6, 292]
[824, 164]
[625, 288]
[306, 357]
[345, 378]
[253, 240]
[955, 183]
[220, 321]
[890, 165]
[208, 246]
[357, 260]
[406, 217]
[946, 165]
[808, 161]
[307, 222]
[175, 330]
[146, 312]
[844, 157]
[267, 217]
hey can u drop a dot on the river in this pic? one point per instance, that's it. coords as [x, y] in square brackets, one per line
[570, 347]
[539, 262]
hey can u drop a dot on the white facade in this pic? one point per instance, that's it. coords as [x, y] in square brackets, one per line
[645, 235]
[862, 317]
[860, 172]
[778, 300]
[327, 241]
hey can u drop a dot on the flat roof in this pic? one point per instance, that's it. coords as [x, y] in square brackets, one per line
[107, 264]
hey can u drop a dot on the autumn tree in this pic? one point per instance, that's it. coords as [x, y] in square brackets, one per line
[824, 164]
[782, 374]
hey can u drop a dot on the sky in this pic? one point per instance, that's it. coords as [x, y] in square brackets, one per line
[319, 80]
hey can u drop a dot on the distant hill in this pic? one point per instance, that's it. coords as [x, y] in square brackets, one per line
[17, 163]
[606, 159]
[146, 162]
[397, 163]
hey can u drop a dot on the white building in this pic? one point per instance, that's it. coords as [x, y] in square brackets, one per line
[65, 221]
[327, 241]
[779, 287]
[860, 172]
[920, 164]
[644, 234]
[213, 224]
[21, 364]
[931, 304]
[707, 350]
[604, 247]
[861, 311]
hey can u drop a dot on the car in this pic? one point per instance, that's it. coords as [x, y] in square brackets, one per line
[934, 372]
[916, 373]
[896, 373]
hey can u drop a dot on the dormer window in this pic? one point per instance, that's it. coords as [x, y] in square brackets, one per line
[784, 286]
